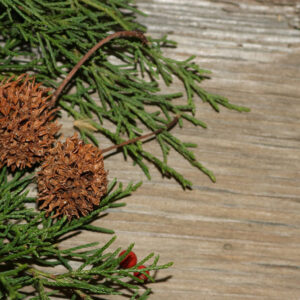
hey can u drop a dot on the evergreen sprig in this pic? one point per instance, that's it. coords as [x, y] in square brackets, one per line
[49, 38]
[29, 250]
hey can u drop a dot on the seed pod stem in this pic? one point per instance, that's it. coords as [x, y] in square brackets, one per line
[142, 137]
[119, 34]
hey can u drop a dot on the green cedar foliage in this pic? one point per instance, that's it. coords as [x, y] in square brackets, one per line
[29, 250]
[47, 38]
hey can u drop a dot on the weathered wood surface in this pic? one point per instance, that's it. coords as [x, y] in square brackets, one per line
[238, 238]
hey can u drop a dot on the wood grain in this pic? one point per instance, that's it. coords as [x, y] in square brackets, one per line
[238, 238]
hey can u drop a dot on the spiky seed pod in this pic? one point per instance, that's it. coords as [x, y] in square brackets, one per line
[26, 133]
[72, 179]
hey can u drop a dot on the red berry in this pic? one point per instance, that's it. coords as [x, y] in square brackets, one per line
[129, 261]
[141, 275]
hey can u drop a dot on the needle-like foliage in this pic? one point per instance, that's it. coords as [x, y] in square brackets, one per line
[48, 38]
[115, 93]
[29, 250]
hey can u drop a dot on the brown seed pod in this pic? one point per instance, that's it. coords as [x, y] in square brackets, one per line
[72, 179]
[26, 133]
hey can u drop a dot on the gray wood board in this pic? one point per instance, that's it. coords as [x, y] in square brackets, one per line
[240, 237]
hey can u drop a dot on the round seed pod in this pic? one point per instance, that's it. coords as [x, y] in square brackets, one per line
[72, 179]
[26, 128]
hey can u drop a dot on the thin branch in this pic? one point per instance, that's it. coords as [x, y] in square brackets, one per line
[170, 125]
[119, 34]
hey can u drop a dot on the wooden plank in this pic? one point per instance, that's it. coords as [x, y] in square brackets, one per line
[238, 238]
